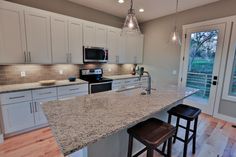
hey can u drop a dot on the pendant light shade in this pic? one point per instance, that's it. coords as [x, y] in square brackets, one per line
[131, 25]
[175, 36]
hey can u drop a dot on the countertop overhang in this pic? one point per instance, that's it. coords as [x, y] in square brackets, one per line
[78, 122]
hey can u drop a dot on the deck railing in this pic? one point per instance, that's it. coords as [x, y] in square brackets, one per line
[201, 81]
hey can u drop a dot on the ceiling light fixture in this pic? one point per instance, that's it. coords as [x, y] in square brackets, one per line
[121, 1]
[131, 25]
[175, 37]
[141, 10]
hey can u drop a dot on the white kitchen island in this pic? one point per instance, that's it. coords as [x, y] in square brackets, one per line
[95, 125]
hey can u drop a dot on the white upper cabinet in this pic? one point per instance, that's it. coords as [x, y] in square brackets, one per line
[134, 49]
[131, 48]
[101, 36]
[38, 37]
[75, 27]
[113, 45]
[59, 31]
[12, 34]
[95, 35]
[139, 54]
[89, 34]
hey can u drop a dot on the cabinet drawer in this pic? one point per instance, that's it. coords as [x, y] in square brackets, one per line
[44, 93]
[66, 90]
[72, 96]
[117, 83]
[16, 97]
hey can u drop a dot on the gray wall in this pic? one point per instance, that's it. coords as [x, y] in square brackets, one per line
[71, 9]
[161, 57]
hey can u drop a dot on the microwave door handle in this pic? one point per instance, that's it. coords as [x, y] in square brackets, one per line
[105, 55]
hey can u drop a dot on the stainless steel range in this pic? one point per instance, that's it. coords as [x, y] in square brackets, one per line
[97, 83]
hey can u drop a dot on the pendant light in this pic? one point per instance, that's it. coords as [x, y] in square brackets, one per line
[175, 36]
[131, 23]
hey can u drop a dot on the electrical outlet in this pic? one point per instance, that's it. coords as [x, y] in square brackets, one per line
[22, 74]
[61, 72]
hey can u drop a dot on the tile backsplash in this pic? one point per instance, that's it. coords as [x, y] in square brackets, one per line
[11, 74]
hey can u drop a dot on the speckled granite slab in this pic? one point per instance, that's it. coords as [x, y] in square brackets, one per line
[36, 85]
[86, 119]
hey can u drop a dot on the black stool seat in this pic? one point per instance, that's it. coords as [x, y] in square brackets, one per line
[185, 112]
[152, 133]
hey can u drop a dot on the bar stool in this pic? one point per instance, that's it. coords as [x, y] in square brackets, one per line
[189, 114]
[152, 133]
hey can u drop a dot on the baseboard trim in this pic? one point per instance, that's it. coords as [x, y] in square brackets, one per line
[225, 118]
[1, 138]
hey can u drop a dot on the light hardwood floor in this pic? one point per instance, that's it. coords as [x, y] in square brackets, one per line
[214, 138]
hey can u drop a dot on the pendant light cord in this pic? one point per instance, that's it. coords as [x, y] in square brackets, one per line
[131, 4]
[176, 13]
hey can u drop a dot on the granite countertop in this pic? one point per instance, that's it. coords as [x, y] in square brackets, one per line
[118, 77]
[36, 85]
[84, 120]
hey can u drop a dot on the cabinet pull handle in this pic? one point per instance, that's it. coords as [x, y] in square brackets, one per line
[70, 57]
[67, 58]
[29, 56]
[17, 97]
[74, 89]
[31, 108]
[25, 57]
[35, 104]
[45, 93]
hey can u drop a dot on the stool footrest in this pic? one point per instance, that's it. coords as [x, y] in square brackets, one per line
[182, 140]
[140, 152]
[181, 126]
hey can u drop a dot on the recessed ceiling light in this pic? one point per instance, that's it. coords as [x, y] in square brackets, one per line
[141, 10]
[121, 1]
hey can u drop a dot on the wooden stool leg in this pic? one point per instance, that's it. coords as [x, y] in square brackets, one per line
[194, 135]
[186, 139]
[164, 145]
[176, 132]
[130, 147]
[150, 152]
[169, 148]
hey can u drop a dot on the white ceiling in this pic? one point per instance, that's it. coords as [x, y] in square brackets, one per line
[153, 8]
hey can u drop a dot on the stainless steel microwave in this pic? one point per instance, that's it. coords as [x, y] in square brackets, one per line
[95, 55]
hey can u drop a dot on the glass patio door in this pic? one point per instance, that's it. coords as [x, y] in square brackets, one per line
[202, 56]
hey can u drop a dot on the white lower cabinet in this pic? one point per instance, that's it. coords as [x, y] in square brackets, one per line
[129, 83]
[39, 115]
[22, 111]
[18, 116]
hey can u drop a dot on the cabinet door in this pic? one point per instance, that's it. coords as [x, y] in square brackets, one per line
[17, 117]
[131, 48]
[101, 36]
[122, 49]
[12, 34]
[38, 37]
[76, 41]
[139, 54]
[89, 31]
[59, 31]
[39, 115]
[113, 45]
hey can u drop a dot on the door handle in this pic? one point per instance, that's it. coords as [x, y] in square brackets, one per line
[25, 57]
[30, 57]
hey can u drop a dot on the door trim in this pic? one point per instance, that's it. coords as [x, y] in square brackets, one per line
[225, 49]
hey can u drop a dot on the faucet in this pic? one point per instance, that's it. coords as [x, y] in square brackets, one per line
[141, 71]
